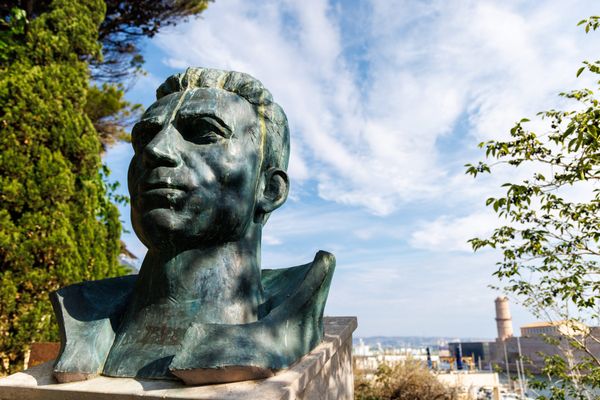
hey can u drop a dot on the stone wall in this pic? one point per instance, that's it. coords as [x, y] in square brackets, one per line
[325, 373]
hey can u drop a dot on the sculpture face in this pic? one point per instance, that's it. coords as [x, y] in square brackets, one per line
[194, 176]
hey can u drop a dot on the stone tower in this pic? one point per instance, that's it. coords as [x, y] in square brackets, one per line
[503, 318]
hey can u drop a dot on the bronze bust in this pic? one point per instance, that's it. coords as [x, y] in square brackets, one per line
[209, 167]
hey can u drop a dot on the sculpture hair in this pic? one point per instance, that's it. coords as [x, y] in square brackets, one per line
[276, 149]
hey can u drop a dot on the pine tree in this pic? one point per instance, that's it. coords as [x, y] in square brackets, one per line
[57, 225]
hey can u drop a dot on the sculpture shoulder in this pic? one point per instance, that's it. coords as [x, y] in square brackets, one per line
[90, 300]
[323, 261]
[280, 284]
[88, 314]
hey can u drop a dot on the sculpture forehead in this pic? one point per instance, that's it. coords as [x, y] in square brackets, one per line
[228, 106]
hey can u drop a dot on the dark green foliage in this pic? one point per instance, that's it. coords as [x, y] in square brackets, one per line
[57, 225]
[12, 28]
[550, 241]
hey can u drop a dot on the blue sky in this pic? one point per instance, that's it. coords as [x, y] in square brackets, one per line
[386, 102]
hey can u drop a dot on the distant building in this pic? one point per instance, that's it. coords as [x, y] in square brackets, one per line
[533, 345]
[555, 328]
[483, 353]
[479, 352]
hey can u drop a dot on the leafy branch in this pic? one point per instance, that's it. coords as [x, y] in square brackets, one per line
[550, 239]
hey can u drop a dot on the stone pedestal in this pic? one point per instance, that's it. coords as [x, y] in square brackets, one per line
[325, 373]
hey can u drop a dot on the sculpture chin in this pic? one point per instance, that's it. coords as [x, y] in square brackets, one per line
[162, 226]
[155, 226]
[163, 218]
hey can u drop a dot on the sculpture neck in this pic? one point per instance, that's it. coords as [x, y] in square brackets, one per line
[222, 282]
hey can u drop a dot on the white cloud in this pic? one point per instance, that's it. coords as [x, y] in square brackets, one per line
[445, 233]
[271, 240]
[373, 142]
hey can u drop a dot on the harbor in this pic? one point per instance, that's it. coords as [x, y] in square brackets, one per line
[499, 369]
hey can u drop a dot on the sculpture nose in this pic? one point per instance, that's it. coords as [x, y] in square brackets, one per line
[162, 149]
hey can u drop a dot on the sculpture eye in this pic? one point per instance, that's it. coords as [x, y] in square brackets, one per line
[143, 132]
[202, 129]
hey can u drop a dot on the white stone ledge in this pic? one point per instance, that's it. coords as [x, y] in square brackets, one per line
[324, 373]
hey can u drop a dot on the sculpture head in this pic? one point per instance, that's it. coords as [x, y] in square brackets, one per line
[210, 160]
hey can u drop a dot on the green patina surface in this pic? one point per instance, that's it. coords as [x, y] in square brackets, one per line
[290, 326]
[208, 169]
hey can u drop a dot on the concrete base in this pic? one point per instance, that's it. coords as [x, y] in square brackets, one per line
[325, 373]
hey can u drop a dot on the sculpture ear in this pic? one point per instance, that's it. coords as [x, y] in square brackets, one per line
[275, 192]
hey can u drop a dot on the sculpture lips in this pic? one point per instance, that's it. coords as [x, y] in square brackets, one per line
[161, 186]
